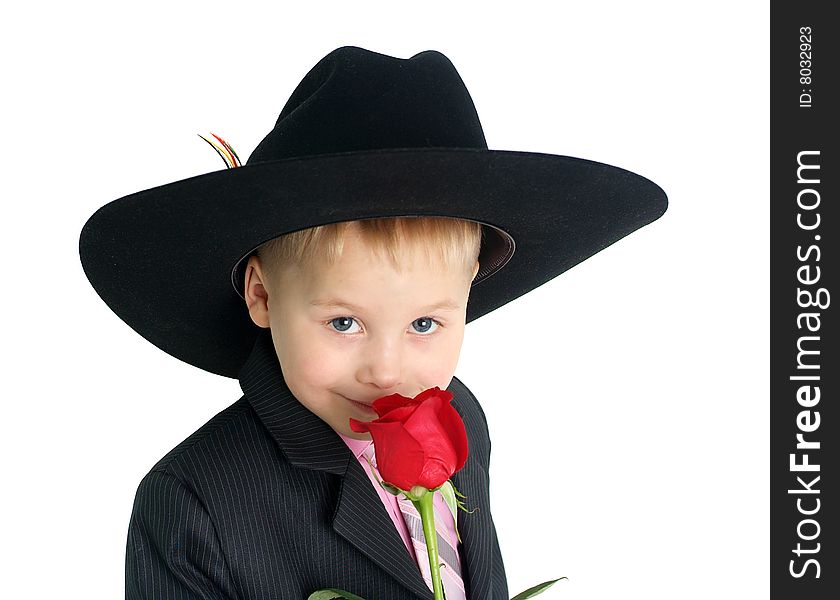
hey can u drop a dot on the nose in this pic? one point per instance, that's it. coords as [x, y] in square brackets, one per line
[382, 365]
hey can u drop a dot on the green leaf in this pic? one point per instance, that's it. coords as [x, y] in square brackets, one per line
[458, 503]
[447, 490]
[456, 490]
[331, 593]
[537, 589]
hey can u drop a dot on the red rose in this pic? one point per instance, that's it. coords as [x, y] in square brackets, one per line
[418, 441]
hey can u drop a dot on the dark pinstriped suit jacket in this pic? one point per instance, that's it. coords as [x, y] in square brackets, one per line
[266, 501]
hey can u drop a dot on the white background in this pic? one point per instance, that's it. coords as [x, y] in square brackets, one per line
[627, 399]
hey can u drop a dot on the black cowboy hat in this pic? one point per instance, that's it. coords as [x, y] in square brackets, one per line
[363, 135]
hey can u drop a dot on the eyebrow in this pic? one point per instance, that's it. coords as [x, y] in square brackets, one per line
[445, 304]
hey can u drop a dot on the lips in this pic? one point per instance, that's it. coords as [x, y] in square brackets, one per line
[362, 405]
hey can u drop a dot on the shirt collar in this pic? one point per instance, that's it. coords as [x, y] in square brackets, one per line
[357, 447]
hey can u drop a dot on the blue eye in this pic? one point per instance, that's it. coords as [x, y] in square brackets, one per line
[342, 324]
[425, 324]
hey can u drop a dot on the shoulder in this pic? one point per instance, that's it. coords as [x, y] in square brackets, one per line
[231, 436]
[229, 466]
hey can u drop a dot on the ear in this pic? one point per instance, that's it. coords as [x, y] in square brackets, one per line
[256, 292]
[475, 271]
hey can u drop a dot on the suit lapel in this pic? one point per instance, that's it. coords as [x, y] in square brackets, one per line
[475, 528]
[363, 521]
[308, 442]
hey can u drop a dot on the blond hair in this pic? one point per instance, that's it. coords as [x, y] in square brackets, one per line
[456, 242]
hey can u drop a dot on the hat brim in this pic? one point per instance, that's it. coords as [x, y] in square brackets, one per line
[162, 258]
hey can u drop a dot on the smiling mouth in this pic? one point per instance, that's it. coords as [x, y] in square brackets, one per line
[365, 407]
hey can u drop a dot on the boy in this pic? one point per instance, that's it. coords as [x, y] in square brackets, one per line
[340, 264]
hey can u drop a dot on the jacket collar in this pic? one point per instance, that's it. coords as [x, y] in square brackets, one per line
[305, 439]
[308, 442]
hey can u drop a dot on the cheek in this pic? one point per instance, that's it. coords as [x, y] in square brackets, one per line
[436, 367]
[315, 368]
[319, 369]
[308, 362]
[311, 378]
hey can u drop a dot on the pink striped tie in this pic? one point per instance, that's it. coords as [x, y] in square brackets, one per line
[450, 570]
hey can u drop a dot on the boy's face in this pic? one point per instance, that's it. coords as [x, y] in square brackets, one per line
[357, 330]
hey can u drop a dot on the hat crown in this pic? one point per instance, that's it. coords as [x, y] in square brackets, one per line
[358, 100]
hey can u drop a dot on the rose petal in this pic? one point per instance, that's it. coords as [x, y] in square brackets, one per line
[359, 426]
[434, 474]
[432, 392]
[441, 456]
[399, 456]
[385, 404]
[398, 415]
[456, 432]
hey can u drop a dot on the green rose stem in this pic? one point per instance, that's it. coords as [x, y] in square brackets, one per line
[425, 506]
